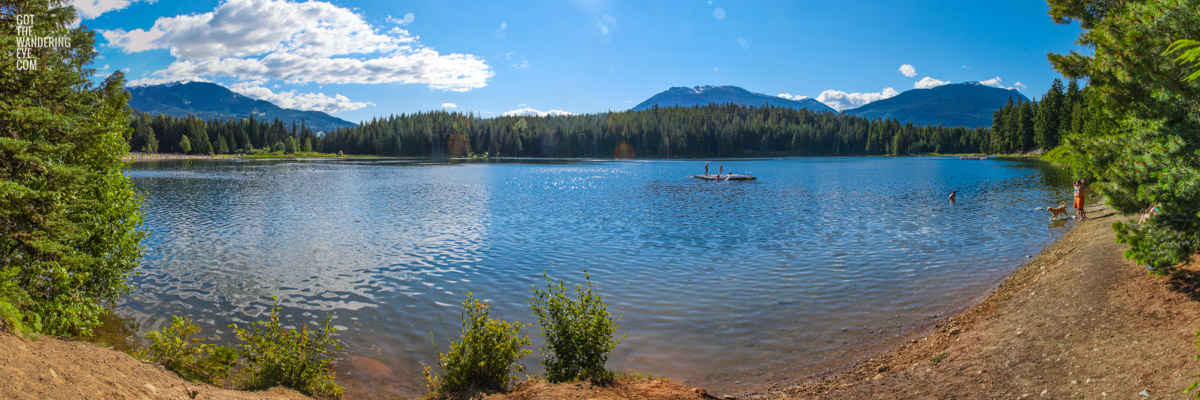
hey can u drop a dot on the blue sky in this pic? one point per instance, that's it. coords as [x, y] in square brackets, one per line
[361, 59]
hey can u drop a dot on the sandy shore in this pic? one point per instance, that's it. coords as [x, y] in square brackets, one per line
[1077, 321]
[135, 157]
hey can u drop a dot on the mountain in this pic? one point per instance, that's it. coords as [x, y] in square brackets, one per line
[969, 104]
[704, 95]
[209, 100]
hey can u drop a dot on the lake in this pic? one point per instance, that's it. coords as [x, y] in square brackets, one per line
[731, 286]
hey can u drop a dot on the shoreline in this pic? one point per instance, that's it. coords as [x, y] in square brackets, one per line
[133, 157]
[1076, 320]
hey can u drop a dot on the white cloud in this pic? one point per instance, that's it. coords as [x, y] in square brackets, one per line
[516, 60]
[502, 30]
[997, 82]
[299, 101]
[719, 13]
[405, 20]
[88, 9]
[839, 100]
[790, 96]
[529, 112]
[158, 81]
[908, 70]
[298, 43]
[928, 83]
[449, 105]
[1019, 85]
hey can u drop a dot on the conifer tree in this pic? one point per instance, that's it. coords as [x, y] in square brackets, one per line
[69, 233]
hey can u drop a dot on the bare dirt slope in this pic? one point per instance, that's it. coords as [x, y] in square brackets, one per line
[50, 368]
[1078, 321]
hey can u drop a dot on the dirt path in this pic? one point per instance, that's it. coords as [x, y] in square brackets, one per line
[1078, 321]
[51, 368]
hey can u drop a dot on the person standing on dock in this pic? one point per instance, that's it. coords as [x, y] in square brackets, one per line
[706, 168]
[721, 170]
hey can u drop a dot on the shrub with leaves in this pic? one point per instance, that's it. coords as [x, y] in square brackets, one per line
[578, 329]
[295, 358]
[175, 347]
[485, 356]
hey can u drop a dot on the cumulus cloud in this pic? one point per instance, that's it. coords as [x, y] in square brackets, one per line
[1019, 85]
[88, 9]
[300, 101]
[997, 82]
[839, 100]
[298, 43]
[449, 105]
[790, 96]
[908, 70]
[928, 83]
[530, 112]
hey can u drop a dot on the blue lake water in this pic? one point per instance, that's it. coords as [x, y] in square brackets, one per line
[728, 285]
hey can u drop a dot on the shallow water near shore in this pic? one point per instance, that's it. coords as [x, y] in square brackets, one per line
[728, 285]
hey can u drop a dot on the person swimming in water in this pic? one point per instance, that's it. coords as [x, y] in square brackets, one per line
[953, 196]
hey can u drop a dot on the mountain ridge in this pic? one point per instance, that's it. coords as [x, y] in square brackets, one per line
[969, 104]
[680, 96]
[212, 101]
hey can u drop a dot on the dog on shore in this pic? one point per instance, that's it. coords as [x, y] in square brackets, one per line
[1060, 211]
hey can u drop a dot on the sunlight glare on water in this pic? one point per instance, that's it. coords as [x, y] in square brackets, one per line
[728, 285]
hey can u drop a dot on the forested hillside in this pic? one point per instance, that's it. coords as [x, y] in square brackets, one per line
[704, 131]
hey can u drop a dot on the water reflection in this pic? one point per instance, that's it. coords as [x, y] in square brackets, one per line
[732, 285]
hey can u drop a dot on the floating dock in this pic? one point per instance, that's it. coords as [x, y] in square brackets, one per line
[725, 177]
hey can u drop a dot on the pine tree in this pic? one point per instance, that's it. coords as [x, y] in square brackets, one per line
[1025, 126]
[222, 147]
[185, 145]
[1047, 121]
[1141, 131]
[69, 236]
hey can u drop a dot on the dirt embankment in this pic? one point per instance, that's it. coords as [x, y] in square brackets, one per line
[1077, 321]
[50, 368]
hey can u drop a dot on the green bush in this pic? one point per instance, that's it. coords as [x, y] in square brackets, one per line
[578, 330]
[175, 347]
[278, 356]
[484, 358]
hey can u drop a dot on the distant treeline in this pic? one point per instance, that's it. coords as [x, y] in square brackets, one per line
[1041, 124]
[705, 131]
